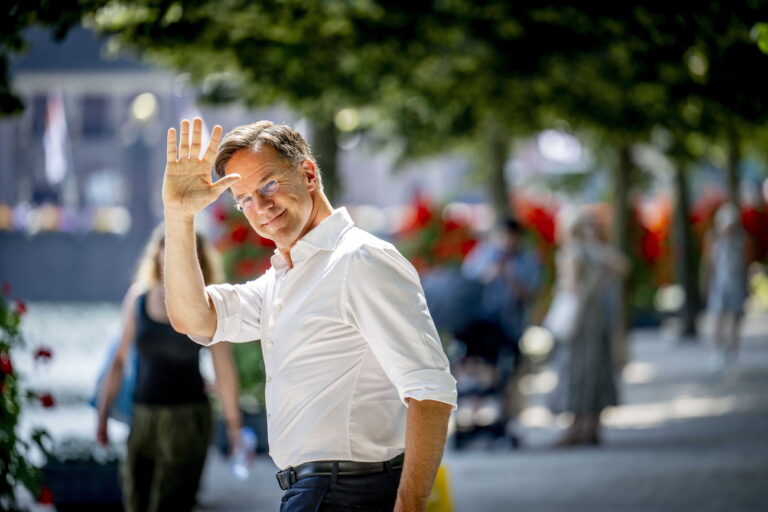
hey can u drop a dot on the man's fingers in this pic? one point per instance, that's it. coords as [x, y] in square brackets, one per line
[197, 137]
[213, 145]
[224, 183]
[171, 145]
[184, 146]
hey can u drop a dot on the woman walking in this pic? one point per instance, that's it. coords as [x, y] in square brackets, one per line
[171, 425]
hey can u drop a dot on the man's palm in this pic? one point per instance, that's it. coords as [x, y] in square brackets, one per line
[187, 186]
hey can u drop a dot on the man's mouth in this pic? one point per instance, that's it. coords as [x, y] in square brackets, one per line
[270, 221]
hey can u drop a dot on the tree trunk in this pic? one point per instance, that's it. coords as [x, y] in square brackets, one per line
[325, 150]
[733, 180]
[622, 224]
[686, 258]
[498, 188]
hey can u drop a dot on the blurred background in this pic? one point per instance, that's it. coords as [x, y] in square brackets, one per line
[433, 123]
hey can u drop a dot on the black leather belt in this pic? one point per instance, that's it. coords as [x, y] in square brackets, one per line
[290, 476]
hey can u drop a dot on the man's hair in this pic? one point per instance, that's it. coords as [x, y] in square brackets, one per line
[286, 141]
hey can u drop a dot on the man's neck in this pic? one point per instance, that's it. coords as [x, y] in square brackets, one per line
[321, 210]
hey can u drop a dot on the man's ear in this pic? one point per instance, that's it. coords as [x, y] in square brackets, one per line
[309, 170]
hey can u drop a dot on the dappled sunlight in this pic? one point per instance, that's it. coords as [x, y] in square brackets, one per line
[538, 383]
[537, 417]
[639, 373]
[654, 414]
[636, 416]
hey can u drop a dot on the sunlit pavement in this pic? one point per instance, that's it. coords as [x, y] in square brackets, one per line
[685, 438]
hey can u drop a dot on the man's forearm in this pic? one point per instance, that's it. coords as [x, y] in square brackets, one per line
[426, 430]
[189, 308]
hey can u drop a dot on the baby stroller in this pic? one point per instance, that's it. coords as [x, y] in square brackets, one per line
[483, 358]
[483, 375]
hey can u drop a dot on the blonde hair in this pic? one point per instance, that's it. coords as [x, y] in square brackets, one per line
[149, 271]
[574, 223]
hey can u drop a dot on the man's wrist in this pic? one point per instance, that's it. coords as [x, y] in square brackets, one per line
[411, 501]
[177, 217]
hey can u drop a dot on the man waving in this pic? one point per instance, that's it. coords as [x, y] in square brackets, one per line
[358, 390]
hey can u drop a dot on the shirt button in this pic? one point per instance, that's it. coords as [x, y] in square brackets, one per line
[279, 305]
[269, 379]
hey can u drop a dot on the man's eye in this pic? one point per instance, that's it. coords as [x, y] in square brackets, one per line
[246, 201]
[269, 189]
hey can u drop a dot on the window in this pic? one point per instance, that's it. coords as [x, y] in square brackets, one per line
[96, 121]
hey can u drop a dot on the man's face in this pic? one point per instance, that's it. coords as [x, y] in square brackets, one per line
[283, 216]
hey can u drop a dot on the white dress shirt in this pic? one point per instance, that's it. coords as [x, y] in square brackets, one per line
[346, 336]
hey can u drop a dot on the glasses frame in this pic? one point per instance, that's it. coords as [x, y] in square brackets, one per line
[266, 191]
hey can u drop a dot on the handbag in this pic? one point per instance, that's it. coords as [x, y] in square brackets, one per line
[563, 315]
[122, 408]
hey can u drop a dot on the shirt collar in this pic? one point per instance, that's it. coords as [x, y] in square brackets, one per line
[323, 237]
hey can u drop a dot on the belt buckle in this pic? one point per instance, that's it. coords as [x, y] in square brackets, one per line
[286, 478]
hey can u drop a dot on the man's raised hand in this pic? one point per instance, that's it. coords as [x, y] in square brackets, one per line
[187, 185]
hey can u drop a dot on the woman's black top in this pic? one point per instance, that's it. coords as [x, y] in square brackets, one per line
[169, 364]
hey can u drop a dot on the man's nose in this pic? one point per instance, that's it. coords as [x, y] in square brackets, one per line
[263, 204]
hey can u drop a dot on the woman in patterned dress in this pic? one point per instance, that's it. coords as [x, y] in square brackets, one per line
[590, 269]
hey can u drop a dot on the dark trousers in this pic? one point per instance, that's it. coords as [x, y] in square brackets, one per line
[360, 493]
[165, 457]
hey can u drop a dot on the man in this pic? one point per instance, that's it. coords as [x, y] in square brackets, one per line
[510, 274]
[356, 374]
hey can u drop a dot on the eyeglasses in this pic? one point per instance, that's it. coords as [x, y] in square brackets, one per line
[266, 191]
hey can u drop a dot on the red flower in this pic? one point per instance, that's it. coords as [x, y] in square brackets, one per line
[421, 215]
[6, 288]
[239, 234]
[6, 367]
[467, 246]
[45, 497]
[46, 400]
[650, 246]
[44, 354]
[266, 242]
[543, 221]
[450, 225]
[21, 307]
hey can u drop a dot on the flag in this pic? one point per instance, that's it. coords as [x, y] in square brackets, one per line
[55, 140]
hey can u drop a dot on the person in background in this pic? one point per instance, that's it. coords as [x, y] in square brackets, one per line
[171, 426]
[588, 268]
[725, 271]
[510, 275]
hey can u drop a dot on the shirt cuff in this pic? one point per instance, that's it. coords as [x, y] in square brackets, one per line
[428, 384]
[229, 316]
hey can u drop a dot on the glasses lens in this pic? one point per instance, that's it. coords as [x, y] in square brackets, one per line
[269, 189]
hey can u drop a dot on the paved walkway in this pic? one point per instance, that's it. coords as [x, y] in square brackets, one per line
[684, 439]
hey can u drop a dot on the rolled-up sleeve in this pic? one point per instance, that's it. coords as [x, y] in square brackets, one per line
[238, 312]
[386, 303]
